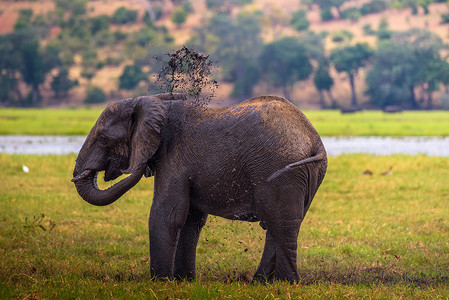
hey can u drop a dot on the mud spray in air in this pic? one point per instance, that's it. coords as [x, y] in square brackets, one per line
[190, 72]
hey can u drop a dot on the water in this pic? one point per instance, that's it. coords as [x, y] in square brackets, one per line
[40, 144]
[433, 146]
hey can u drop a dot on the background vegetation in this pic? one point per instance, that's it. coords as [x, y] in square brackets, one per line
[328, 54]
[365, 236]
[79, 121]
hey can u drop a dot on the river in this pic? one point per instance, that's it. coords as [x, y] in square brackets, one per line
[433, 146]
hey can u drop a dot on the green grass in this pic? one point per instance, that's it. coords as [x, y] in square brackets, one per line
[378, 123]
[365, 236]
[77, 121]
[328, 123]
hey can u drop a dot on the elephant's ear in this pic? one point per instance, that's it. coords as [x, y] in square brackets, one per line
[148, 119]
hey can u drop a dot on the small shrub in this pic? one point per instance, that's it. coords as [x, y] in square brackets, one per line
[445, 18]
[351, 14]
[299, 20]
[132, 75]
[326, 14]
[95, 95]
[445, 101]
[145, 36]
[99, 23]
[179, 15]
[24, 19]
[368, 30]
[341, 36]
[373, 7]
[120, 35]
[124, 16]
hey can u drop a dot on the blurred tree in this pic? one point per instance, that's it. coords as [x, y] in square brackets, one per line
[299, 20]
[342, 36]
[444, 18]
[179, 15]
[236, 45]
[145, 36]
[413, 4]
[158, 13]
[349, 60]
[28, 60]
[326, 14]
[425, 5]
[131, 77]
[392, 79]
[43, 23]
[383, 31]
[24, 19]
[33, 68]
[62, 84]
[75, 8]
[327, 5]
[99, 23]
[225, 6]
[284, 62]
[89, 64]
[411, 60]
[78, 7]
[95, 95]
[250, 75]
[368, 30]
[308, 3]
[352, 13]
[374, 6]
[324, 82]
[23, 59]
[274, 19]
[314, 47]
[10, 64]
[122, 15]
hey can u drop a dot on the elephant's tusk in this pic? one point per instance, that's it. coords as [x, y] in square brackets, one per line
[82, 175]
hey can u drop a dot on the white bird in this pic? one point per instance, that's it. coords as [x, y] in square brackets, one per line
[25, 169]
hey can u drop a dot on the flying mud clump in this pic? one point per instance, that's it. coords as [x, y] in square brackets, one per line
[188, 72]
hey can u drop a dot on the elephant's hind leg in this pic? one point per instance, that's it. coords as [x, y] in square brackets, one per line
[265, 271]
[281, 209]
[188, 240]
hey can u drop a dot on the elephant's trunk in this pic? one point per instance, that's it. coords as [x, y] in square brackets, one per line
[86, 185]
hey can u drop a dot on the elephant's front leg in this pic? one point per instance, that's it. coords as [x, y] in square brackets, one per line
[188, 240]
[168, 215]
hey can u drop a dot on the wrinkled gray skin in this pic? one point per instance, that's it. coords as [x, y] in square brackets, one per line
[260, 160]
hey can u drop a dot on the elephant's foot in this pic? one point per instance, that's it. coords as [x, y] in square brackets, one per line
[263, 278]
[185, 276]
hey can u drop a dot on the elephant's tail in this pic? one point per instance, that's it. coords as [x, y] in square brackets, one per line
[320, 155]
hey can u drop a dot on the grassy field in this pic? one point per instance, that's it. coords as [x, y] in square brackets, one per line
[48, 121]
[328, 123]
[364, 237]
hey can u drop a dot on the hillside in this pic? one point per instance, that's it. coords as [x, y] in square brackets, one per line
[275, 25]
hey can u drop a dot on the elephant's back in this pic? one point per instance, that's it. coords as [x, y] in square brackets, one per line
[265, 125]
[273, 110]
[287, 126]
[282, 117]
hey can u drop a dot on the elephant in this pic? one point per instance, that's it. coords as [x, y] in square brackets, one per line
[259, 161]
